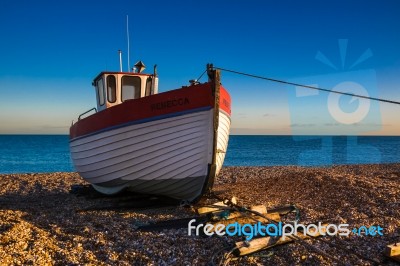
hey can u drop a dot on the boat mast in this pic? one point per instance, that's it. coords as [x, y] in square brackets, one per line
[127, 35]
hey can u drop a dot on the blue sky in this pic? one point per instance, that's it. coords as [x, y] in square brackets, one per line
[51, 50]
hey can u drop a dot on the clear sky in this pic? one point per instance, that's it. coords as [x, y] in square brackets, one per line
[51, 50]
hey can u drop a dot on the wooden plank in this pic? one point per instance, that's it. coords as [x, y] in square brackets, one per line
[257, 244]
[206, 210]
[240, 219]
[393, 251]
[249, 220]
[259, 208]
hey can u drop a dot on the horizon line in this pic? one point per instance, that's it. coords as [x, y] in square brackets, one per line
[250, 134]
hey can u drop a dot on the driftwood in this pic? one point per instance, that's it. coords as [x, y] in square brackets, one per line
[207, 210]
[257, 244]
[251, 219]
[222, 215]
[393, 251]
[217, 208]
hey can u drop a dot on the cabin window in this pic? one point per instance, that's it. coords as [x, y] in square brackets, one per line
[130, 88]
[148, 86]
[111, 88]
[100, 91]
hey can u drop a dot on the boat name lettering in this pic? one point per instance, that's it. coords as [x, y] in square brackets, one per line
[170, 103]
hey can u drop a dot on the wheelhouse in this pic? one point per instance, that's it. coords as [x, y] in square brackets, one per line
[113, 88]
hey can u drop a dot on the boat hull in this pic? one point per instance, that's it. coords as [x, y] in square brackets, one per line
[168, 151]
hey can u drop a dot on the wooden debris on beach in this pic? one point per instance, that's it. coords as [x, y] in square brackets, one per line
[222, 206]
[223, 215]
[242, 218]
[257, 244]
[259, 208]
[207, 210]
[218, 207]
[249, 216]
[393, 251]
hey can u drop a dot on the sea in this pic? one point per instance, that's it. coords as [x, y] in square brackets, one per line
[50, 153]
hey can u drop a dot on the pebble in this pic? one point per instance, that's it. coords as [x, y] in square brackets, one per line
[39, 222]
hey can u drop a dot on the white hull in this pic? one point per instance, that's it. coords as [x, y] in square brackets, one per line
[224, 125]
[170, 156]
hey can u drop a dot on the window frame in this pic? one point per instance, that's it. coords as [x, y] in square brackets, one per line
[102, 100]
[114, 89]
[135, 93]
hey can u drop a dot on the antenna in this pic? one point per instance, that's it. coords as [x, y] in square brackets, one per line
[127, 35]
[120, 60]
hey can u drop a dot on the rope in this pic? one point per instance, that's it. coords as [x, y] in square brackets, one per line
[201, 75]
[306, 86]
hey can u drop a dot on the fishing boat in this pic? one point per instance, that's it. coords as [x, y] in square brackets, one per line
[171, 143]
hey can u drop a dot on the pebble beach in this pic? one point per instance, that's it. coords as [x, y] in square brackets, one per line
[43, 223]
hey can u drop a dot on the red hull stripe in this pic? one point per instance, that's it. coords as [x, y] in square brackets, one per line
[146, 120]
[225, 101]
[171, 103]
